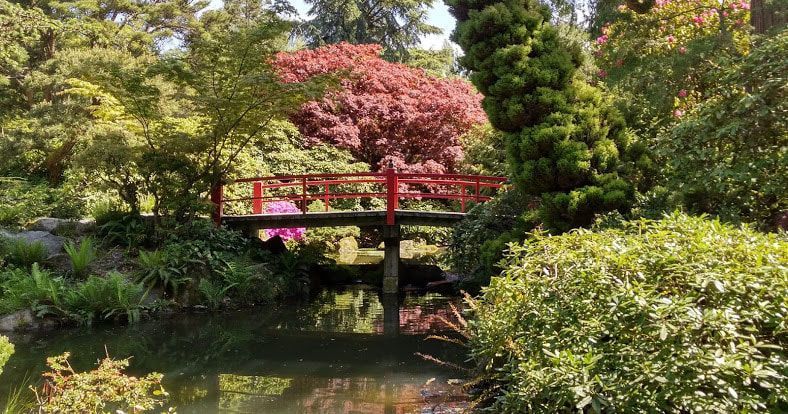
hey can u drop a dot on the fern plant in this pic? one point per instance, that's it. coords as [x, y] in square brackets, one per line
[213, 293]
[81, 256]
[111, 297]
[158, 270]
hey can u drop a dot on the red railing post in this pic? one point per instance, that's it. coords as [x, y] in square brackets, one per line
[303, 195]
[217, 193]
[478, 198]
[462, 200]
[257, 195]
[325, 197]
[392, 194]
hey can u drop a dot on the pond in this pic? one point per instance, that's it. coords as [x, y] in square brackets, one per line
[346, 350]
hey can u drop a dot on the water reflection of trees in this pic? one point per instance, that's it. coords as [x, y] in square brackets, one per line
[357, 395]
[330, 349]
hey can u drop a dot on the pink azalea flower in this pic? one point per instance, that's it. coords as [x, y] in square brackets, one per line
[284, 207]
[683, 50]
[678, 113]
[683, 93]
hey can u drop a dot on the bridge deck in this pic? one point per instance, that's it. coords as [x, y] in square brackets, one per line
[343, 218]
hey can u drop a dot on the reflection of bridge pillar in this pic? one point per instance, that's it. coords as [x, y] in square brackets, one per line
[390, 302]
[391, 237]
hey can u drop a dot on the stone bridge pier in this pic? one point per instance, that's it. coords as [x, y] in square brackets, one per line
[391, 239]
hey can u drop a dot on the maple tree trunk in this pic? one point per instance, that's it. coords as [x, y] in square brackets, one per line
[765, 15]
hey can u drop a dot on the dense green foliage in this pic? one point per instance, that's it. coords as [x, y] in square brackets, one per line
[566, 142]
[678, 315]
[106, 389]
[6, 349]
[661, 63]
[485, 151]
[22, 201]
[729, 155]
[478, 242]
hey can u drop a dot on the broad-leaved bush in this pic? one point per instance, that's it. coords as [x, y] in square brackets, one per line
[6, 350]
[106, 389]
[729, 156]
[679, 315]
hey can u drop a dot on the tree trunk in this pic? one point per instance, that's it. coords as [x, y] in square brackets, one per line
[767, 14]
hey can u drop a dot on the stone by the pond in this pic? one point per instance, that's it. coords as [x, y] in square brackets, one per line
[24, 320]
[62, 226]
[274, 245]
[407, 249]
[52, 243]
[347, 244]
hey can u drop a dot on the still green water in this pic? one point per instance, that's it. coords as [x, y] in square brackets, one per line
[344, 351]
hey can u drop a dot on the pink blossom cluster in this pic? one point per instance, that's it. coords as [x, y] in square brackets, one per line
[284, 207]
[743, 5]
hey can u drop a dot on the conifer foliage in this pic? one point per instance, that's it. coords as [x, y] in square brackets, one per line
[566, 142]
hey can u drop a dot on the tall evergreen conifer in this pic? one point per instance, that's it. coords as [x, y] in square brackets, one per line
[566, 142]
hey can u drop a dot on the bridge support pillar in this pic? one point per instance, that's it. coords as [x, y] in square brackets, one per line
[391, 238]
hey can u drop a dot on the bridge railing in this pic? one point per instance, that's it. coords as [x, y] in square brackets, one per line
[251, 195]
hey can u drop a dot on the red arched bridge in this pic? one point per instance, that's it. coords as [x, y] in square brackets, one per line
[243, 204]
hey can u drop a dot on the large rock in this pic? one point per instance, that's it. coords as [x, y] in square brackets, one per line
[63, 226]
[407, 249]
[348, 244]
[53, 244]
[275, 245]
[24, 320]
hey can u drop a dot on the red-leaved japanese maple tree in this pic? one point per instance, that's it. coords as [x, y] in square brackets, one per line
[384, 112]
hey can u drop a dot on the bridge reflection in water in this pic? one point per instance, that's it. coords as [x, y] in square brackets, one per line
[339, 353]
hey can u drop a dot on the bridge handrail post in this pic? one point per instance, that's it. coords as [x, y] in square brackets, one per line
[217, 193]
[257, 198]
[392, 194]
[303, 195]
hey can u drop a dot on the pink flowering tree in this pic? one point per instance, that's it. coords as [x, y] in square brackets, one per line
[661, 59]
[384, 112]
[284, 207]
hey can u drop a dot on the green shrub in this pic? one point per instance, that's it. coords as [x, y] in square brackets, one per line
[21, 202]
[729, 156]
[106, 389]
[125, 229]
[81, 257]
[21, 253]
[6, 349]
[677, 315]
[110, 297]
[479, 241]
